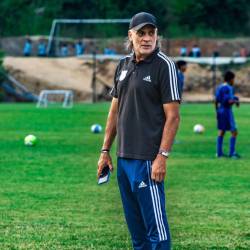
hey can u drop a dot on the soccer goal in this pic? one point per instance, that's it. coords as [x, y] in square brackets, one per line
[84, 28]
[46, 97]
[96, 42]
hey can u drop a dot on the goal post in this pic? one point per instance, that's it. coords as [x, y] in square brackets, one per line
[90, 34]
[55, 96]
[51, 51]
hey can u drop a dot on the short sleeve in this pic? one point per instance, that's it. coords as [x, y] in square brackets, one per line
[217, 95]
[231, 92]
[169, 82]
[113, 91]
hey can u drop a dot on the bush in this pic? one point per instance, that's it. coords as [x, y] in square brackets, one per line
[1, 76]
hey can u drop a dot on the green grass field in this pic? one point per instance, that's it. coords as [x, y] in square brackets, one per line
[49, 198]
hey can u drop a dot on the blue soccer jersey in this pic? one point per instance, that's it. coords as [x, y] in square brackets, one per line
[181, 79]
[225, 99]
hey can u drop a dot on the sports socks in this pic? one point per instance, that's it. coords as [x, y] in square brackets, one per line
[232, 145]
[219, 146]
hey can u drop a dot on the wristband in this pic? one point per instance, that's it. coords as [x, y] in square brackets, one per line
[105, 150]
[164, 153]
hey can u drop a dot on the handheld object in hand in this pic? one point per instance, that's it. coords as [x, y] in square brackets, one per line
[104, 177]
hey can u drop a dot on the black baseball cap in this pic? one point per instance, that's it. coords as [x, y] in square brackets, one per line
[141, 19]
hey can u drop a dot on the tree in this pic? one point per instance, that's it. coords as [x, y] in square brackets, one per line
[177, 17]
[218, 16]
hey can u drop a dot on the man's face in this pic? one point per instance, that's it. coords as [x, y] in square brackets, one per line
[231, 82]
[144, 40]
[183, 68]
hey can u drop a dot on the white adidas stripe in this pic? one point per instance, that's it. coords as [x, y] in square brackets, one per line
[153, 201]
[172, 73]
[158, 202]
[157, 206]
[172, 76]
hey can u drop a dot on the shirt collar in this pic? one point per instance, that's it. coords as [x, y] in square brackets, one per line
[148, 59]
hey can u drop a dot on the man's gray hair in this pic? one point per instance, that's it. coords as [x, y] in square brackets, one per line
[129, 45]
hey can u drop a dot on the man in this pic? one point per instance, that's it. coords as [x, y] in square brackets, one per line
[183, 51]
[182, 67]
[27, 47]
[224, 100]
[79, 48]
[64, 50]
[196, 51]
[41, 49]
[145, 115]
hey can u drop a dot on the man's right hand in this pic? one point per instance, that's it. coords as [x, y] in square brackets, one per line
[104, 160]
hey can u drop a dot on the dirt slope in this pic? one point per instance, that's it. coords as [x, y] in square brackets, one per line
[59, 73]
[76, 74]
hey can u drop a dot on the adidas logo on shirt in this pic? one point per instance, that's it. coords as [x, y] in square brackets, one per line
[147, 79]
[142, 185]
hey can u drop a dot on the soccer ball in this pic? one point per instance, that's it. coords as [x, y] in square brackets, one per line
[30, 140]
[96, 128]
[198, 129]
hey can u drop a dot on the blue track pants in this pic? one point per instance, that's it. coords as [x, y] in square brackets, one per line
[144, 205]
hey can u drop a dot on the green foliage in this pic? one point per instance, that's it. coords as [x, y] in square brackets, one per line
[1, 57]
[50, 199]
[229, 17]
[1, 75]
[1, 65]
[176, 17]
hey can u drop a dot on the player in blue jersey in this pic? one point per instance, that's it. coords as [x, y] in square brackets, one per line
[182, 67]
[224, 100]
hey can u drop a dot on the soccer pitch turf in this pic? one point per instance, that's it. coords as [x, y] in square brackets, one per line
[49, 198]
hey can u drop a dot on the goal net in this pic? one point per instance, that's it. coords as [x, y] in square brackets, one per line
[100, 35]
[99, 43]
[63, 97]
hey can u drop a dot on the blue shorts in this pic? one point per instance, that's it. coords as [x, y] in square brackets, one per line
[144, 205]
[225, 120]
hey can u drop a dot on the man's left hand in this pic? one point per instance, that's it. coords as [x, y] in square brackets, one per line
[159, 168]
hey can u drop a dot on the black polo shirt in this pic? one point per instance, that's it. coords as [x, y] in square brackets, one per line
[142, 88]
